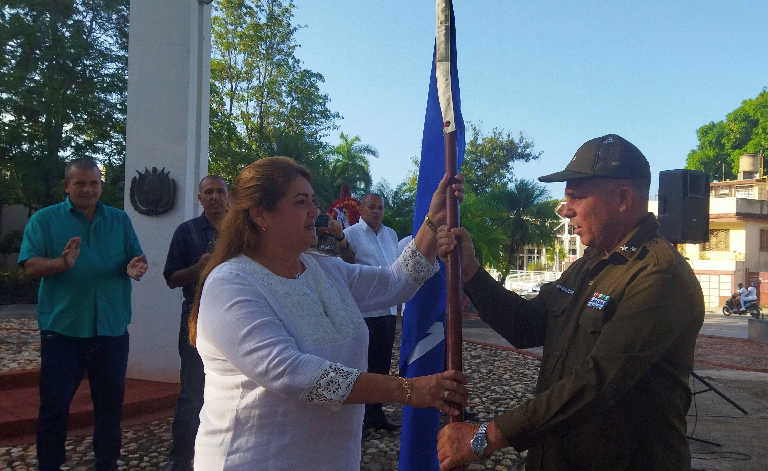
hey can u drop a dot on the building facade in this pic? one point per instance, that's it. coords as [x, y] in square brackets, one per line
[737, 250]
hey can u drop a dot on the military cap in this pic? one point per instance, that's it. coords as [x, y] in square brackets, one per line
[609, 156]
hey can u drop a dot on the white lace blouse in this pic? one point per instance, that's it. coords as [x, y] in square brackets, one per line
[281, 355]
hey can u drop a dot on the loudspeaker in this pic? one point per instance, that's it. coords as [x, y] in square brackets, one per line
[684, 206]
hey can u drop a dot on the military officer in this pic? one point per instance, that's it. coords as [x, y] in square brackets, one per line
[618, 330]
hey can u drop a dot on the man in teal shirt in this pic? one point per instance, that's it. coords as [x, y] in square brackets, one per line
[85, 254]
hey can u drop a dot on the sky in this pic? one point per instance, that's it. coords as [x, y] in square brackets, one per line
[560, 72]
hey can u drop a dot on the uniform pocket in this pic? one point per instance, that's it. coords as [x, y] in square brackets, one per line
[592, 321]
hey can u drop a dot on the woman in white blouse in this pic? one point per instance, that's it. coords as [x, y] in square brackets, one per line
[281, 335]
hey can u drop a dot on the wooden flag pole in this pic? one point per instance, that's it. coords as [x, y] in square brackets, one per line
[453, 317]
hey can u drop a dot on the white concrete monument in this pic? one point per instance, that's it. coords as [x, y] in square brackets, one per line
[168, 98]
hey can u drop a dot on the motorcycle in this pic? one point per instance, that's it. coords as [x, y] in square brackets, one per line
[733, 306]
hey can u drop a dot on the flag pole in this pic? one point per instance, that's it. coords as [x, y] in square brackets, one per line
[445, 66]
[453, 320]
[432, 329]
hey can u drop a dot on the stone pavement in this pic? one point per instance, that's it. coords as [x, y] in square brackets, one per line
[501, 378]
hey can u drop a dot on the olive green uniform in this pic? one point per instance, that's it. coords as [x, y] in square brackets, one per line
[618, 332]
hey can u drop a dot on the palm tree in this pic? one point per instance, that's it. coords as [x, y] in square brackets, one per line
[350, 165]
[529, 219]
[480, 215]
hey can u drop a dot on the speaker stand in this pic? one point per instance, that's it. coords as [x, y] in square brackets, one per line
[709, 387]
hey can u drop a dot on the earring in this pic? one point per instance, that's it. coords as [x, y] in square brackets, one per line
[263, 229]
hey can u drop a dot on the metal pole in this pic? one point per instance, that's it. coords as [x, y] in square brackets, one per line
[453, 318]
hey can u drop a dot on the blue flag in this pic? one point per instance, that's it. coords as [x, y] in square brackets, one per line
[422, 346]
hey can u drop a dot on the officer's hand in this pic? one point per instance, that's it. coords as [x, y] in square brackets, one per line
[458, 236]
[137, 267]
[453, 445]
[71, 252]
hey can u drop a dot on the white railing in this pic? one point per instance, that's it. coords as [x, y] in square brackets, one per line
[526, 281]
[535, 276]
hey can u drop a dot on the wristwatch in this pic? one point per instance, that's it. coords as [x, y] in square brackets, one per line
[480, 441]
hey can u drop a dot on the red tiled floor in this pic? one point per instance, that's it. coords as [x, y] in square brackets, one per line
[19, 405]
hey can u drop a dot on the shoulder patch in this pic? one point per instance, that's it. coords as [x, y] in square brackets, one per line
[564, 289]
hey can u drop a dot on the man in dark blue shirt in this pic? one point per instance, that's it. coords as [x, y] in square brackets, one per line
[190, 249]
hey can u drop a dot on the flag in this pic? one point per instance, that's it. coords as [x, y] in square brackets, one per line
[422, 345]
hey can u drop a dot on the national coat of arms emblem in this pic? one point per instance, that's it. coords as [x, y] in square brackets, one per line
[153, 192]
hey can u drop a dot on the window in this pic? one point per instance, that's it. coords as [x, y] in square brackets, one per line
[745, 192]
[718, 240]
[764, 240]
[722, 192]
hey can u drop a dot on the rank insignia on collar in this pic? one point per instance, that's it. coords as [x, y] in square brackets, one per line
[598, 301]
[628, 248]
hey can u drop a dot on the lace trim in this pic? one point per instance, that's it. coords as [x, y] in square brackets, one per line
[332, 386]
[416, 265]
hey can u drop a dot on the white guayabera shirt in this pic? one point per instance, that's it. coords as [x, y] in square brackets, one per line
[281, 355]
[378, 249]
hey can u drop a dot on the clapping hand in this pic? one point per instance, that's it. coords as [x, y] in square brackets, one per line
[71, 252]
[137, 267]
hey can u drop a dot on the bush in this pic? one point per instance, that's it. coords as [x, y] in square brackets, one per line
[16, 288]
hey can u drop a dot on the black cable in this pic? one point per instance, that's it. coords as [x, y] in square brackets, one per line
[695, 410]
[713, 455]
[721, 455]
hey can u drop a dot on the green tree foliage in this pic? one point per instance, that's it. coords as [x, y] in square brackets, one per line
[263, 101]
[350, 164]
[489, 159]
[527, 218]
[62, 92]
[744, 130]
[503, 214]
[482, 216]
[398, 205]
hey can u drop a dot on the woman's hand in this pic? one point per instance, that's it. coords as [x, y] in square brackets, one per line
[447, 240]
[437, 212]
[445, 391]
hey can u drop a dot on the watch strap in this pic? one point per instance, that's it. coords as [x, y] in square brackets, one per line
[479, 441]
